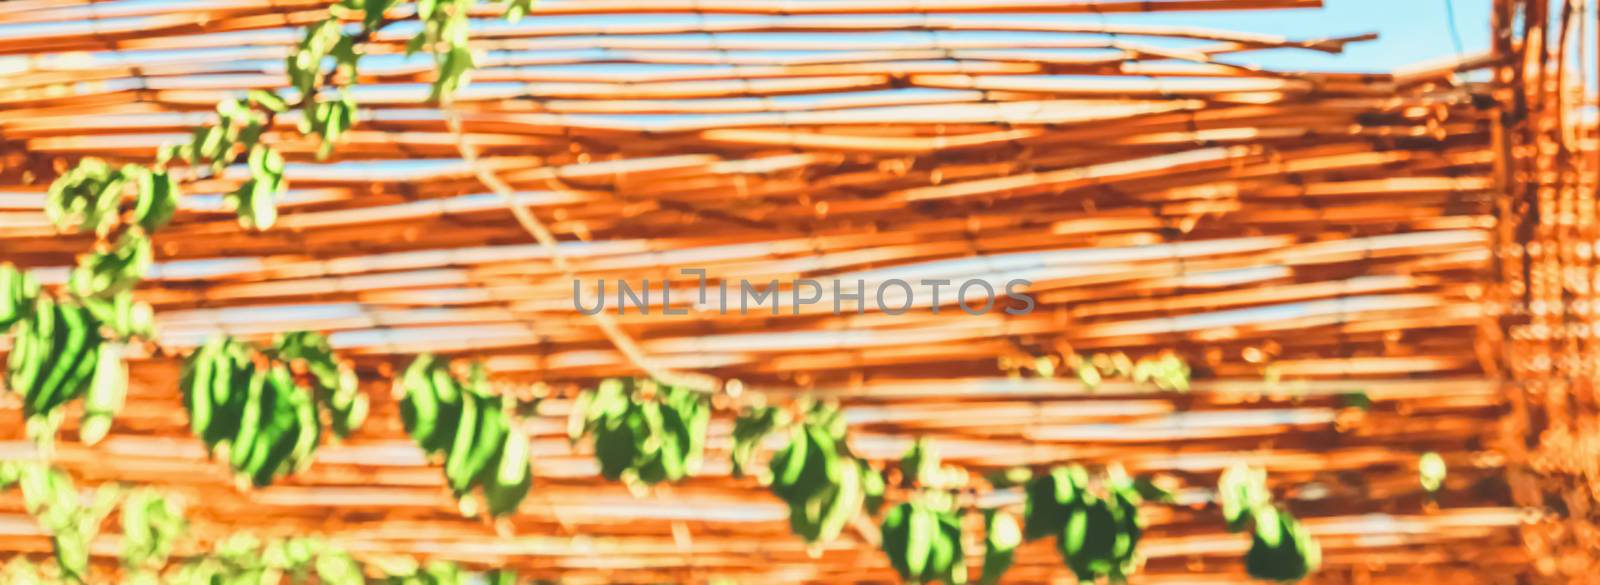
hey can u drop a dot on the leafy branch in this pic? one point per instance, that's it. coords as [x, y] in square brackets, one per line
[124, 207]
[158, 548]
[249, 403]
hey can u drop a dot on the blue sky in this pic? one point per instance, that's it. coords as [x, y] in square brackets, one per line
[1409, 31]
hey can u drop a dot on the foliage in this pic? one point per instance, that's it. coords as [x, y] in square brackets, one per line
[873, 488]
[94, 196]
[89, 197]
[816, 475]
[472, 428]
[104, 275]
[920, 465]
[1102, 534]
[249, 404]
[643, 433]
[924, 543]
[333, 381]
[1357, 400]
[18, 290]
[263, 406]
[1048, 497]
[151, 525]
[70, 345]
[50, 497]
[1095, 520]
[406, 571]
[60, 354]
[1281, 549]
[1166, 371]
[750, 429]
[68, 348]
[245, 559]
[1001, 537]
[1431, 471]
[1241, 490]
[154, 527]
[21, 571]
[1009, 477]
[1152, 490]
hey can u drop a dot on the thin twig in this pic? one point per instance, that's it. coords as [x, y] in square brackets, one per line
[547, 240]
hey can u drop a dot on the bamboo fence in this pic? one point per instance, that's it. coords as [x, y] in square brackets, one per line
[1296, 236]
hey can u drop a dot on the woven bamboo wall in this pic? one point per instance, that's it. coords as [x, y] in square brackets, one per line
[1336, 229]
[1546, 263]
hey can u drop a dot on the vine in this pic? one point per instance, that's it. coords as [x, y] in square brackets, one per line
[124, 207]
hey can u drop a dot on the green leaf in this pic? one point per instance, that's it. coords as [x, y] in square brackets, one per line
[1172, 373]
[416, 44]
[1241, 490]
[254, 160]
[1045, 367]
[1432, 470]
[1148, 489]
[256, 201]
[517, 9]
[1009, 477]
[1357, 399]
[18, 291]
[273, 164]
[338, 568]
[454, 67]
[138, 539]
[1267, 526]
[21, 571]
[230, 108]
[1089, 375]
[1001, 537]
[168, 152]
[920, 465]
[872, 488]
[72, 555]
[269, 100]
[500, 577]
[922, 528]
[87, 197]
[211, 143]
[334, 383]
[374, 10]
[750, 429]
[1048, 502]
[103, 275]
[330, 120]
[346, 57]
[158, 200]
[1285, 552]
[1076, 531]
[126, 316]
